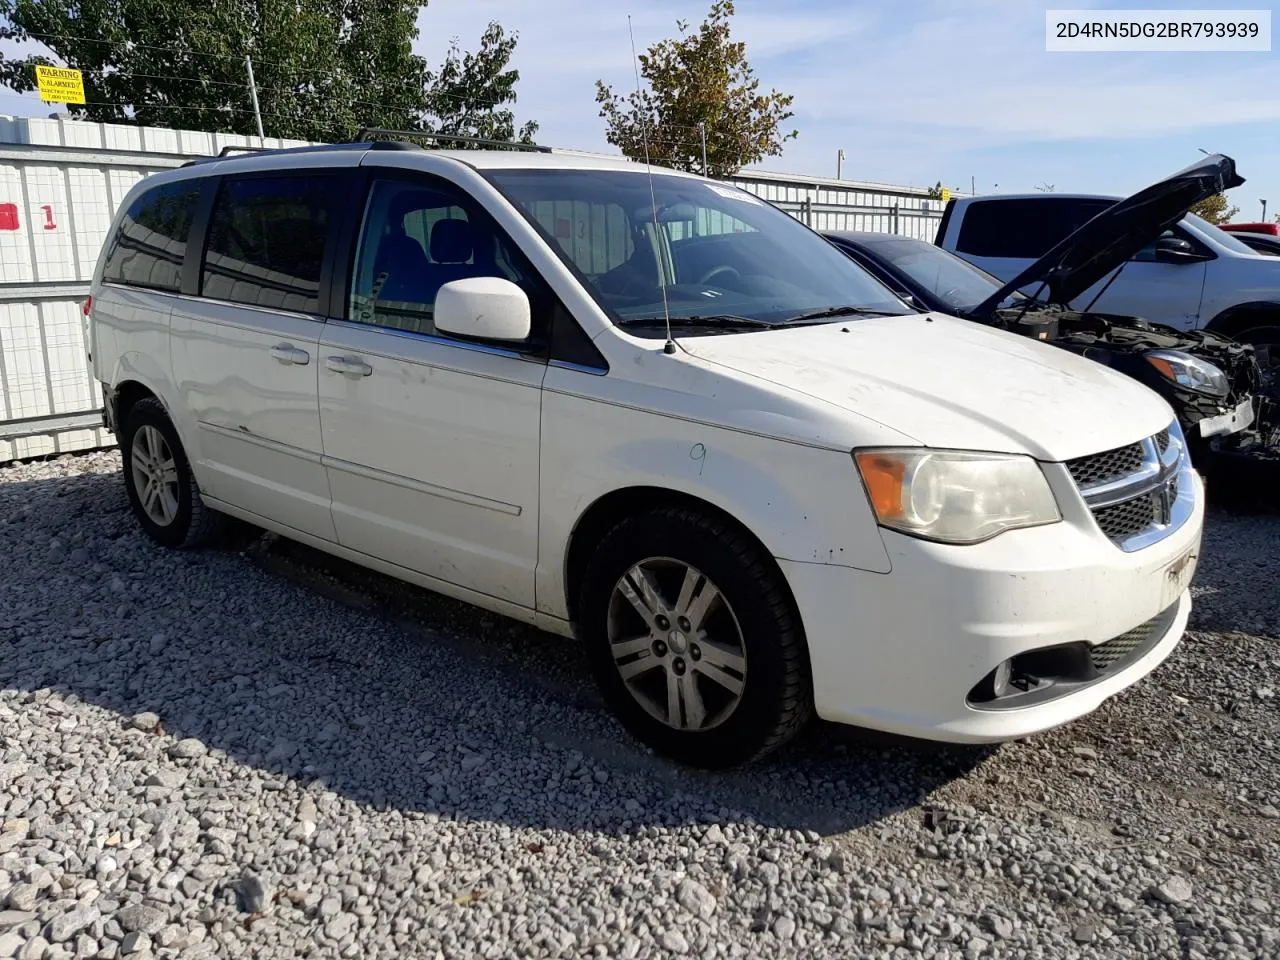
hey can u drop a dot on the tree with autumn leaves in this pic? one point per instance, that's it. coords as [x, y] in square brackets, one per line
[1215, 209]
[698, 82]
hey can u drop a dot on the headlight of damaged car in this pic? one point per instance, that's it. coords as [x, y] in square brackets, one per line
[955, 496]
[1190, 372]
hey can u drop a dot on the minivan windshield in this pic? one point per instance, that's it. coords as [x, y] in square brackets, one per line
[724, 256]
[953, 280]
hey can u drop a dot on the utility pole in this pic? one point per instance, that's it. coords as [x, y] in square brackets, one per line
[839, 163]
[702, 128]
[973, 186]
[253, 95]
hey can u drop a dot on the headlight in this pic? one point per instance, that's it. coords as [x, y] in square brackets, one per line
[1190, 372]
[955, 496]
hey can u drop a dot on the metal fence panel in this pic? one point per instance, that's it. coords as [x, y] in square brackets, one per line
[826, 204]
[60, 184]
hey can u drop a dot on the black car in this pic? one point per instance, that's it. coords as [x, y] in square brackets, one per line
[1204, 376]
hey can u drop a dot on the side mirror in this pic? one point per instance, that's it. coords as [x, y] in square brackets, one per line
[489, 308]
[1176, 250]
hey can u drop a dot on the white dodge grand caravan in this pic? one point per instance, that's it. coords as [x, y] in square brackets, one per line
[454, 367]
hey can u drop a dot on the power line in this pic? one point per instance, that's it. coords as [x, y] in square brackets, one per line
[195, 108]
[145, 46]
[239, 60]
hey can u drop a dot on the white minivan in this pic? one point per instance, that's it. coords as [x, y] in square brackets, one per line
[806, 497]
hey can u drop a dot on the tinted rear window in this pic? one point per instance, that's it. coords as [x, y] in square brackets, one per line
[267, 240]
[148, 249]
[1022, 228]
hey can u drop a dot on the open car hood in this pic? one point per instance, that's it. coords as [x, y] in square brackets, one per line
[1117, 233]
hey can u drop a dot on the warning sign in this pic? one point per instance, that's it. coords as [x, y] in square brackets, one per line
[60, 85]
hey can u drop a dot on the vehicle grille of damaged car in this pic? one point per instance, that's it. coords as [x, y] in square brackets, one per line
[1211, 381]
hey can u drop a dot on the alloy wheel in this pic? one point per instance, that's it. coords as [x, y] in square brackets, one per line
[155, 475]
[677, 644]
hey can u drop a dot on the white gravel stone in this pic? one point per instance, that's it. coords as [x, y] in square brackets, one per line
[674, 941]
[144, 721]
[1174, 890]
[188, 749]
[696, 898]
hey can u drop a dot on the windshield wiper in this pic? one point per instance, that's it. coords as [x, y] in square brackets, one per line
[700, 320]
[847, 310]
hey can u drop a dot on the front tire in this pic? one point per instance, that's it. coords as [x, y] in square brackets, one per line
[158, 480]
[694, 640]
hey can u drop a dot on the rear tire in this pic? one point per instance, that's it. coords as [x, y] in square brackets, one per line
[162, 490]
[694, 639]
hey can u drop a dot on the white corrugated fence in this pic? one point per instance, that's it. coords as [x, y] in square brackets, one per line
[60, 183]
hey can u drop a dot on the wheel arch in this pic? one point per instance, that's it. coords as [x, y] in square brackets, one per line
[124, 397]
[612, 508]
[1240, 317]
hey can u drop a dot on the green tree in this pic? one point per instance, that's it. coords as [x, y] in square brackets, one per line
[469, 92]
[701, 78]
[323, 68]
[1215, 209]
[935, 192]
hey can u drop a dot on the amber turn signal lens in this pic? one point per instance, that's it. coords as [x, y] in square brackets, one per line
[883, 476]
[1164, 366]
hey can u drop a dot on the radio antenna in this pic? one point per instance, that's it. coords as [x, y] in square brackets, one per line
[670, 345]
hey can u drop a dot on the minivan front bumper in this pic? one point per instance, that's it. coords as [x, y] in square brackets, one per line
[911, 652]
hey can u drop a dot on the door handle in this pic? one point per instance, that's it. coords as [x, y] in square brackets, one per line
[349, 366]
[288, 353]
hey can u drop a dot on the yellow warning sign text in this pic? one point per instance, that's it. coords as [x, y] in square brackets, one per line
[60, 85]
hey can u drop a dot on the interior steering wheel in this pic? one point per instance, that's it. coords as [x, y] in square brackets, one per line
[716, 271]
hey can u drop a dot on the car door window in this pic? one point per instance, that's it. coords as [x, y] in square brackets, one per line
[416, 237]
[267, 240]
[148, 249]
[1023, 229]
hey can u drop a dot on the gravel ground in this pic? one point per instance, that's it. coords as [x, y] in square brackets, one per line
[259, 752]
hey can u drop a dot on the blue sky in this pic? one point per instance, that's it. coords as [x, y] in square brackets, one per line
[917, 91]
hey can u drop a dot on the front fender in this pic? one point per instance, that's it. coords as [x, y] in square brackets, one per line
[804, 503]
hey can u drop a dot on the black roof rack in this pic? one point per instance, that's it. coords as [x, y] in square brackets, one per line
[229, 148]
[368, 134]
[225, 154]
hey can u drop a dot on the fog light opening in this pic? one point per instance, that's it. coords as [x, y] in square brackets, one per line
[1001, 678]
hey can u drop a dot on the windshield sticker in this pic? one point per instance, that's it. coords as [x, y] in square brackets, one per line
[732, 194]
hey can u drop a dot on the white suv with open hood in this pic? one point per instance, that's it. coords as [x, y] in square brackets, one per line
[454, 367]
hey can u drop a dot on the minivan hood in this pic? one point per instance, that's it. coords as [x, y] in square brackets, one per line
[945, 382]
[1108, 240]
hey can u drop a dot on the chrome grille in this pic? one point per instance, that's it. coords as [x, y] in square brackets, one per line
[1127, 519]
[1105, 467]
[1137, 493]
